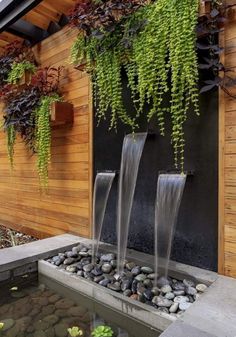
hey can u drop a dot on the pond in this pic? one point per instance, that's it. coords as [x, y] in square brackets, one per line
[44, 308]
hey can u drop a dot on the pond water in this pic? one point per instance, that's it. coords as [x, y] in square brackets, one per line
[32, 308]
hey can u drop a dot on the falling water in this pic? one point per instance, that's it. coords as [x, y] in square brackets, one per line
[131, 154]
[102, 187]
[169, 194]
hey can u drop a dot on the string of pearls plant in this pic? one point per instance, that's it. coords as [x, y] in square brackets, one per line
[156, 45]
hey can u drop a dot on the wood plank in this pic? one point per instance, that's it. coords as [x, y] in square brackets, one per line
[66, 206]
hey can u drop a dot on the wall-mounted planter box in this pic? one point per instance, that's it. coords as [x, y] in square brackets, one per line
[205, 8]
[81, 67]
[62, 113]
[26, 78]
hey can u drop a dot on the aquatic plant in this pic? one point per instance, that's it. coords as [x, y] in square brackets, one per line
[102, 331]
[75, 331]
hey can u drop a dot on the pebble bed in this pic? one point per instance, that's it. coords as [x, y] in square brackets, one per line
[137, 282]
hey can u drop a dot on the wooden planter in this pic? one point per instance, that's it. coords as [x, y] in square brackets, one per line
[62, 113]
[26, 78]
[81, 67]
[204, 8]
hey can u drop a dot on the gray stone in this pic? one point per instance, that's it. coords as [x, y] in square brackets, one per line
[106, 268]
[178, 286]
[136, 270]
[107, 257]
[191, 291]
[83, 253]
[140, 277]
[113, 263]
[181, 299]
[77, 311]
[126, 284]
[51, 319]
[148, 283]
[201, 288]
[71, 254]
[179, 292]
[170, 296]
[60, 330]
[39, 334]
[64, 303]
[146, 270]
[130, 265]
[162, 281]
[174, 308]
[127, 293]
[88, 268]
[148, 294]
[97, 271]
[189, 283]
[114, 286]
[163, 309]
[184, 305]
[18, 294]
[166, 289]
[71, 269]
[54, 298]
[8, 324]
[161, 301]
[97, 279]
[155, 291]
[104, 282]
[69, 261]
[151, 276]
[80, 273]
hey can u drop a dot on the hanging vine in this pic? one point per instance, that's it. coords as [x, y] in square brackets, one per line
[156, 45]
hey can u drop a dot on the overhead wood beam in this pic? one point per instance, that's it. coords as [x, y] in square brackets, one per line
[12, 10]
[27, 31]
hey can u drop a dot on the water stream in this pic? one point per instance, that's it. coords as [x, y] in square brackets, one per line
[169, 194]
[102, 187]
[133, 145]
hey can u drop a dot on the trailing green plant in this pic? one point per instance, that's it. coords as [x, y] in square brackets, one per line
[102, 331]
[43, 136]
[13, 54]
[156, 45]
[27, 113]
[18, 70]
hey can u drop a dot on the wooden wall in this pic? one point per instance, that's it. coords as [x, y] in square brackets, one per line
[227, 158]
[67, 205]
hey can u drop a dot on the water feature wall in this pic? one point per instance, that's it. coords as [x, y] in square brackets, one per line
[131, 154]
[170, 189]
[102, 187]
[195, 239]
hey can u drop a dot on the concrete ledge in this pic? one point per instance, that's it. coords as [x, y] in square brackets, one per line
[11, 258]
[134, 309]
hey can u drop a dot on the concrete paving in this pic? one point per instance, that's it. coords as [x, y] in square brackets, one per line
[215, 312]
[180, 329]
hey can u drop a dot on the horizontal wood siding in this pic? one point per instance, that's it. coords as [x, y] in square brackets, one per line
[66, 206]
[227, 159]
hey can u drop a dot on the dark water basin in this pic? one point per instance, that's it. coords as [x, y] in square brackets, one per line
[44, 308]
